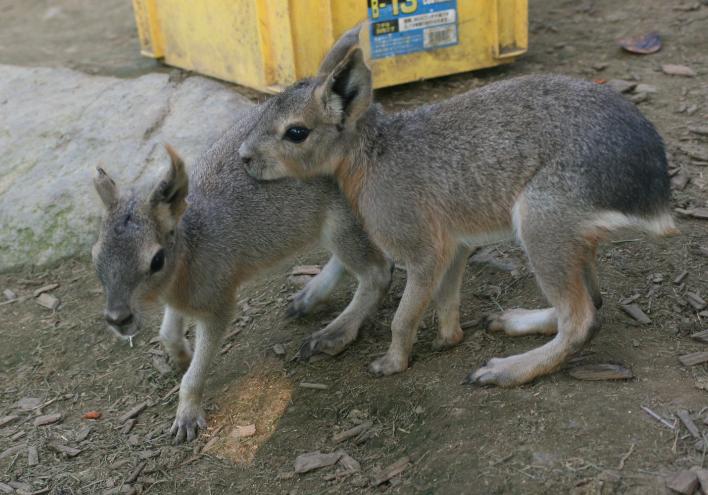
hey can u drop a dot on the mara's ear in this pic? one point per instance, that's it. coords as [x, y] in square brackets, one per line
[346, 92]
[171, 191]
[105, 187]
[341, 48]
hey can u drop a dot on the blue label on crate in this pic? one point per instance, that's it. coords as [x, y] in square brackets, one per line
[407, 26]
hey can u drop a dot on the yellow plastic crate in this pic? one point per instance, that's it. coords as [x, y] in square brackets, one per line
[269, 44]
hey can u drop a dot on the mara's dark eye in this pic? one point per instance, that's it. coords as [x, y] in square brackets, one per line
[158, 261]
[296, 134]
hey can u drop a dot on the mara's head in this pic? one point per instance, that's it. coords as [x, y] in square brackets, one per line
[134, 256]
[309, 128]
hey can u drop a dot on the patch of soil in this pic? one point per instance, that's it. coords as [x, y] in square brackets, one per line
[556, 435]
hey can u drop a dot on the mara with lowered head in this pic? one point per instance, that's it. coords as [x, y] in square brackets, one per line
[558, 162]
[192, 240]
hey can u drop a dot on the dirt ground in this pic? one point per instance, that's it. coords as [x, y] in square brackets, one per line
[556, 435]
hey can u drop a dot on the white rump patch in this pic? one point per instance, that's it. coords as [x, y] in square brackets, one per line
[612, 220]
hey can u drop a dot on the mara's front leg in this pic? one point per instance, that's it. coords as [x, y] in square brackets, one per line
[415, 300]
[173, 340]
[190, 412]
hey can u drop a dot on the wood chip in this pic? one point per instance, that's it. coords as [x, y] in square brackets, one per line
[351, 432]
[6, 420]
[243, 431]
[349, 464]
[621, 85]
[701, 336]
[63, 449]
[636, 312]
[316, 386]
[701, 213]
[171, 392]
[9, 295]
[279, 349]
[310, 270]
[680, 181]
[630, 299]
[694, 358]
[685, 418]
[701, 131]
[82, 434]
[645, 88]
[678, 70]
[658, 418]
[133, 476]
[134, 412]
[680, 277]
[232, 334]
[128, 426]
[32, 456]
[694, 151]
[315, 460]
[44, 289]
[12, 451]
[28, 403]
[393, 470]
[47, 419]
[686, 482]
[604, 371]
[41, 491]
[48, 301]
[695, 300]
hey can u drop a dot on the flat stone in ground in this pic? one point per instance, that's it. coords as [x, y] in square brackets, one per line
[57, 125]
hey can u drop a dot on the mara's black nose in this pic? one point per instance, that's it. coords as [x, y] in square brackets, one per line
[119, 318]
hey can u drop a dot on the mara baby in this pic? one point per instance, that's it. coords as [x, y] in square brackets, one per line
[193, 239]
[558, 163]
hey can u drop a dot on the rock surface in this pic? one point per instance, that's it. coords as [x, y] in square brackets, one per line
[57, 125]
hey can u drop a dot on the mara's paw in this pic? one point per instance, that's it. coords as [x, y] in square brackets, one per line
[180, 356]
[502, 372]
[441, 343]
[389, 364]
[181, 359]
[329, 341]
[296, 309]
[188, 422]
[494, 322]
[303, 303]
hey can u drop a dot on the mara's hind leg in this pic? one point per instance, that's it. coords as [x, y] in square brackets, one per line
[518, 321]
[447, 302]
[559, 259]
